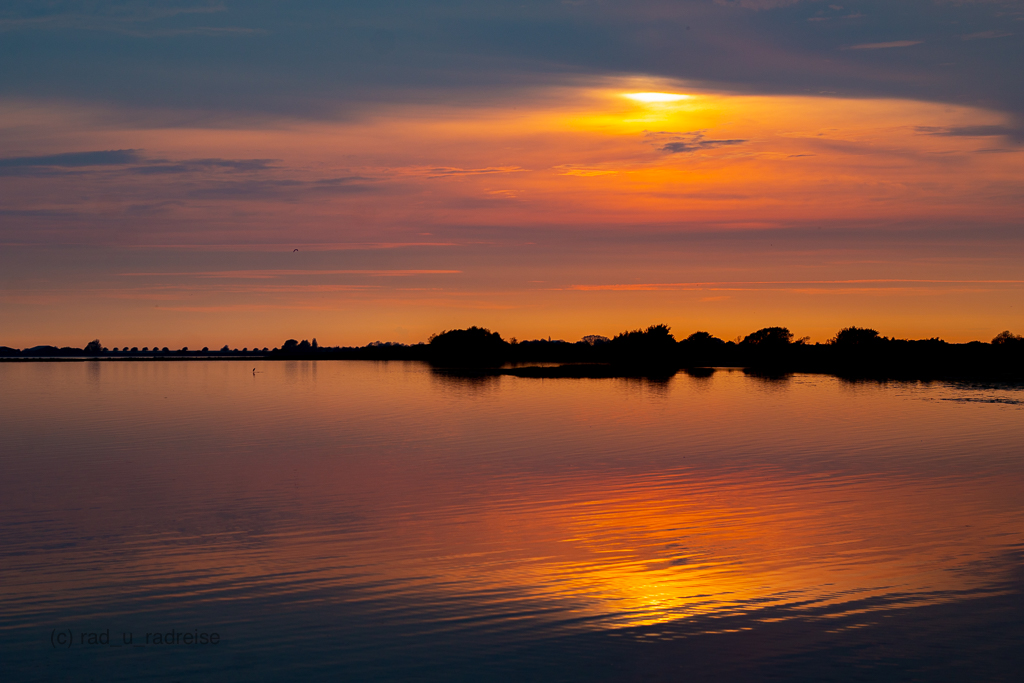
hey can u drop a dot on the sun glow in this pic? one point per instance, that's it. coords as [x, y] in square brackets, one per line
[617, 157]
[656, 97]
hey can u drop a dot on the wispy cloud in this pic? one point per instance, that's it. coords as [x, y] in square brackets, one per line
[784, 284]
[265, 247]
[193, 165]
[966, 131]
[981, 35]
[132, 159]
[272, 274]
[685, 143]
[195, 31]
[113, 157]
[757, 4]
[258, 189]
[571, 169]
[884, 46]
[452, 171]
[116, 16]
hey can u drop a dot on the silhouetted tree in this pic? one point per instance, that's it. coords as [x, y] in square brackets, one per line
[701, 348]
[1006, 338]
[769, 337]
[770, 349]
[472, 346]
[94, 347]
[650, 347]
[655, 334]
[704, 338]
[855, 336]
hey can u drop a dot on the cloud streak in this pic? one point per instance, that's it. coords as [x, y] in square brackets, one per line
[113, 157]
[885, 46]
[783, 284]
[109, 16]
[130, 160]
[272, 274]
[967, 131]
[452, 172]
[687, 143]
[195, 165]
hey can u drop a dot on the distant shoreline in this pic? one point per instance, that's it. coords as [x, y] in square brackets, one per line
[652, 353]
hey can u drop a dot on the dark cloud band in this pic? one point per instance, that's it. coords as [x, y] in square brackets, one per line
[329, 59]
[115, 157]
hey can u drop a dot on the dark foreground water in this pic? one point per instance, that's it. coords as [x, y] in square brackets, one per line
[362, 521]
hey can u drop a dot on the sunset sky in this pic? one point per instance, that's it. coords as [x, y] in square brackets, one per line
[555, 167]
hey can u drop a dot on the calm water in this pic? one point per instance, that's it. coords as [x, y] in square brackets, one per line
[377, 521]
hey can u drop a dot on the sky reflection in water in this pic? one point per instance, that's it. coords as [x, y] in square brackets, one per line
[385, 522]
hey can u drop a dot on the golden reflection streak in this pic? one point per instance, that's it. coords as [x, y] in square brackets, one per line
[441, 515]
[631, 552]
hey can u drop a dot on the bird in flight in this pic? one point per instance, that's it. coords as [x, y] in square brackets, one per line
[294, 250]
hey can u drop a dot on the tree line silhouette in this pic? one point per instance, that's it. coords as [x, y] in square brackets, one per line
[853, 351]
[654, 351]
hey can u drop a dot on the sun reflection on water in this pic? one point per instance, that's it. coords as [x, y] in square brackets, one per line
[581, 504]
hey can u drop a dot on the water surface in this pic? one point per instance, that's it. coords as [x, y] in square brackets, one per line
[379, 521]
